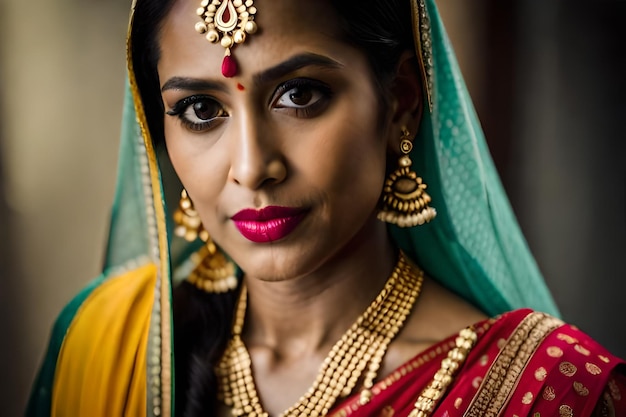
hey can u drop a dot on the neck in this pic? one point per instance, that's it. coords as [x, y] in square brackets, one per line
[309, 313]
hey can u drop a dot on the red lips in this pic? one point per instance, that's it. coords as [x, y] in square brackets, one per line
[269, 223]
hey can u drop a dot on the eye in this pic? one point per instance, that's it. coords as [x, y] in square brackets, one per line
[198, 113]
[302, 97]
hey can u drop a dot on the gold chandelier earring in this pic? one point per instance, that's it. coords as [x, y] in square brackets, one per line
[405, 203]
[213, 272]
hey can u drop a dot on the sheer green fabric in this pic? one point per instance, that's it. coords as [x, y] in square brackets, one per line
[474, 245]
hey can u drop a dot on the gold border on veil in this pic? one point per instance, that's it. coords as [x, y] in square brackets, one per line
[422, 38]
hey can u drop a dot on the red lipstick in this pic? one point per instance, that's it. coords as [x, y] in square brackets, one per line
[268, 224]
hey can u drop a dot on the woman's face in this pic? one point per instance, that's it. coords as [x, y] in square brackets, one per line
[284, 162]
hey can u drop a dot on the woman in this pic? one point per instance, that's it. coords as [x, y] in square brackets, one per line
[294, 128]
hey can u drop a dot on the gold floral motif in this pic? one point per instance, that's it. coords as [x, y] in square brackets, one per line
[458, 402]
[541, 374]
[548, 393]
[580, 389]
[566, 338]
[582, 350]
[593, 369]
[501, 343]
[477, 381]
[554, 352]
[566, 411]
[527, 398]
[604, 359]
[484, 360]
[567, 369]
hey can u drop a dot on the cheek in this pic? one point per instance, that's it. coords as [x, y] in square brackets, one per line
[195, 159]
[349, 163]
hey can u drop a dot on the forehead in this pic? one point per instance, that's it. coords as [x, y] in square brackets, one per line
[286, 27]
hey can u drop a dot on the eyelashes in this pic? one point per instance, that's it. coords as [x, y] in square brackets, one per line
[198, 112]
[300, 97]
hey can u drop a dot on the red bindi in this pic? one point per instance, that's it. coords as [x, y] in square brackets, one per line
[240, 87]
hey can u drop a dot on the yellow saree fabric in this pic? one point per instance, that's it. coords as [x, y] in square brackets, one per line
[102, 365]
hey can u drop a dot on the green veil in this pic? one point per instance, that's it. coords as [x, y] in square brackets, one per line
[474, 246]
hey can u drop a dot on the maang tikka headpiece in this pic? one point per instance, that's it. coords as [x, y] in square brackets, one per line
[227, 22]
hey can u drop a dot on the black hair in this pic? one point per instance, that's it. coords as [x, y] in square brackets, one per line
[382, 30]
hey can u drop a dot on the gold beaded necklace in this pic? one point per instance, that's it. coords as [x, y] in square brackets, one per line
[362, 347]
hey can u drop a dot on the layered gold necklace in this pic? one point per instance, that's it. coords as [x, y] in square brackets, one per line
[355, 359]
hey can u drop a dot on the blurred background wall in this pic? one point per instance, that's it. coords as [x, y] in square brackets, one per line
[62, 67]
[546, 76]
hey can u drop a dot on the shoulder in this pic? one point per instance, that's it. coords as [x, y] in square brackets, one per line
[440, 313]
[543, 365]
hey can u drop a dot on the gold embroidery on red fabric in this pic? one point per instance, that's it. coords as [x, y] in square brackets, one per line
[501, 343]
[537, 414]
[554, 352]
[417, 363]
[567, 369]
[566, 411]
[498, 385]
[528, 398]
[458, 402]
[566, 338]
[580, 389]
[604, 359]
[541, 374]
[548, 393]
[477, 381]
[582, 350]
[484, 360]
[593, 369]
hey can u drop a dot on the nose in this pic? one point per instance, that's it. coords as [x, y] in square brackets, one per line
[256, 160]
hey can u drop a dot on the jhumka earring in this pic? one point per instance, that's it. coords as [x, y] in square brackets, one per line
[405, 203]
[213, 272]
[227, 22]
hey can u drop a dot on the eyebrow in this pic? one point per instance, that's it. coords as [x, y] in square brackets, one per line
[294, 63]
[192, 84]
